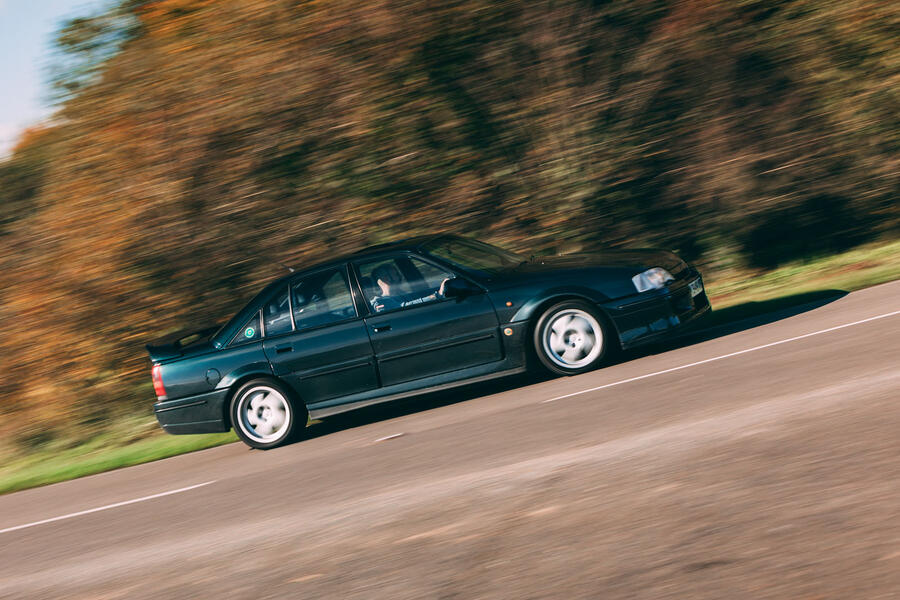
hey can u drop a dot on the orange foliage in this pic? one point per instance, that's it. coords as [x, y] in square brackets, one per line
[225, 137]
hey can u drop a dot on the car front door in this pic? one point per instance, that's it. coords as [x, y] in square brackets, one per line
[415, 332]
[315, 339]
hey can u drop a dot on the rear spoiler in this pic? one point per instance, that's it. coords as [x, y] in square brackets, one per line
[171, 346]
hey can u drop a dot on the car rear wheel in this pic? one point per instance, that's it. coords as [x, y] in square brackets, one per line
[264, 415]
[571, 338]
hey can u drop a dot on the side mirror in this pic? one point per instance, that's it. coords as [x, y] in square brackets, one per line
[459, 288]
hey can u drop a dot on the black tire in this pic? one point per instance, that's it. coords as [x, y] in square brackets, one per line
[265, 414]
[571, 347]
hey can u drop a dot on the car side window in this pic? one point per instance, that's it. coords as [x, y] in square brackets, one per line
[400, 281]
[432, 276]
[277, 314]
[322, 298]
[249, 332]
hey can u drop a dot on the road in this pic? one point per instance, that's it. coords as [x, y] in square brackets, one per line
[756, 462]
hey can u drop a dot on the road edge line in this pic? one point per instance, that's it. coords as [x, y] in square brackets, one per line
[709, 360]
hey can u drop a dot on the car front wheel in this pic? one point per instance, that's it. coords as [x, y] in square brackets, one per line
[570, 338]
[264, 416]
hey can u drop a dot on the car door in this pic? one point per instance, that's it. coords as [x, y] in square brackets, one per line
[416, 333]
[315, 338]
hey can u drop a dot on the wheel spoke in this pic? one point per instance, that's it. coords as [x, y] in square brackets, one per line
[580, 325]
[556, 343]
[571, 355]
[278, 419]
[560, 325]
[588, 344]
[256, 400]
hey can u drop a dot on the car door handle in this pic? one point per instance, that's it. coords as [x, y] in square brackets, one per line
[380, 328]
[283, 349]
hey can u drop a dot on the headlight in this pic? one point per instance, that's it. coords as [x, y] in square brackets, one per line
[652, 279]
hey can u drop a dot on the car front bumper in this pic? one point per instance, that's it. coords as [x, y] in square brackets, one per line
[651, 316]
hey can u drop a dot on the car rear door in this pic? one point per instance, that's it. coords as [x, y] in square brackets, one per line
[316, 340]
[430, 335]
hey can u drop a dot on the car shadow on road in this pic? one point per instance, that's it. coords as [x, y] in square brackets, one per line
[721, 322]
[742, 317]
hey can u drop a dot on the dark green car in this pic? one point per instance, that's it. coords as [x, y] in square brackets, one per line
[410, 317]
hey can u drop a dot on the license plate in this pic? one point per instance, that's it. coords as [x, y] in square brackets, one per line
[696, 287]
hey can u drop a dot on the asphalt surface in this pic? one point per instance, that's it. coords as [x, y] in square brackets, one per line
[759, 460]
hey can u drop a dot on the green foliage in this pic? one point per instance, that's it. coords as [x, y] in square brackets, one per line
[202, 142]
[84, 44]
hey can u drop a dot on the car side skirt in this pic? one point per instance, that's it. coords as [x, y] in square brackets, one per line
[461, 378]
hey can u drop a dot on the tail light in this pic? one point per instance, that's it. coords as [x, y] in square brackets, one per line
[158, 386]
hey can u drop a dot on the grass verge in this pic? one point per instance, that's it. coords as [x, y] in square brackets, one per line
[853, 270]
[735, 294]
[46, 465]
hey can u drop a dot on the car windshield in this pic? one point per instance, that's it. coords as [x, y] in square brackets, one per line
[473, 256]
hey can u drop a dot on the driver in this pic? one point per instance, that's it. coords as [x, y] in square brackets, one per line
[388, 278]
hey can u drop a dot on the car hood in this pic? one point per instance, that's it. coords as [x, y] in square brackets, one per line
[609, 272]
[631, 260]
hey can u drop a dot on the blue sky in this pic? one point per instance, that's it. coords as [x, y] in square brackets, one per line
[26, 32]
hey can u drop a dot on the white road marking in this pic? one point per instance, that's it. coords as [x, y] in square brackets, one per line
[107, 507]
[389, 437]
[709, 360]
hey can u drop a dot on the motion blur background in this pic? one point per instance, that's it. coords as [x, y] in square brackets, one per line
[198, 143]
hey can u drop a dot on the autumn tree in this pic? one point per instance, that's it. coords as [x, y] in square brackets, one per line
[200, 143]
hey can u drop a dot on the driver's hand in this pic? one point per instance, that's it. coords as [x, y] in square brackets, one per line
[441, 291]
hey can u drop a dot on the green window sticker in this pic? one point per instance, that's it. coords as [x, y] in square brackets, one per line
[249, 332]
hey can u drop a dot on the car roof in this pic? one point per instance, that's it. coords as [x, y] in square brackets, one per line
[406, 244]
[409, 244]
